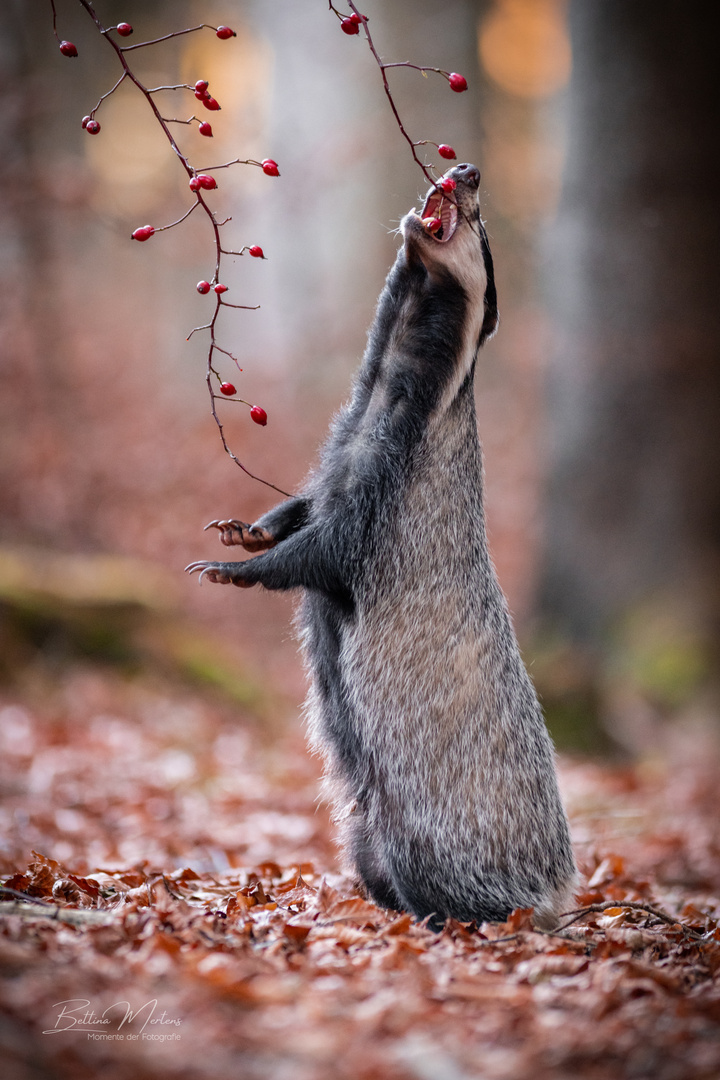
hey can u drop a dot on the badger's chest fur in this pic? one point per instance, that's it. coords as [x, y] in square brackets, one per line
[437, 756]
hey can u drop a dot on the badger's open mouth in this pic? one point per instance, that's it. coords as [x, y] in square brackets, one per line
[439, 216]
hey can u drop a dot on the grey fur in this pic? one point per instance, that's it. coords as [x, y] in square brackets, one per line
[438, 761]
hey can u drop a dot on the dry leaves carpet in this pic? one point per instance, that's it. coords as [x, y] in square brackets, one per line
[183, 915]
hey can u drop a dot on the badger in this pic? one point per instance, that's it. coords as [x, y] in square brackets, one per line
[437, 759]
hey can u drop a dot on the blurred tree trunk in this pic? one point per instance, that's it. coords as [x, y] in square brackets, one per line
[633, 516]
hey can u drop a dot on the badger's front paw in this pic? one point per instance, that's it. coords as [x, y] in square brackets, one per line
[222, 573]
[234, 532]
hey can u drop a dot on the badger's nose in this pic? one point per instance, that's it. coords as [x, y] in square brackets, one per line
[469, 174]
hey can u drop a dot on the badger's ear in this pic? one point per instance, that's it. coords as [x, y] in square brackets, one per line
[490, 324]
[491, 318]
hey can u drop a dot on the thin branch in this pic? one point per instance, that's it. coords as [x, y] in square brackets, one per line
[416, 67]
[564, 937]
[232, 400]
[165, 37]
[496, 941]
[162, 228]
[206, 326]
[122, 77]
[229, 452]
[147, 92]
[227, 164]
[633, 905]
[57, 36]
[226, 353]
[24, 896]
[130, 75]
[382, 66]
[72, 916]
[176, 86]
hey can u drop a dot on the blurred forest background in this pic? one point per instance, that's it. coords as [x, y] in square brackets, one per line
[595, 127]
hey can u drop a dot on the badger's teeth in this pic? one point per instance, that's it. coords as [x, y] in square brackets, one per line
[437, 206]
[449, 217]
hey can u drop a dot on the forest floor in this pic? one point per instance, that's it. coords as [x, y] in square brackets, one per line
[179, 911]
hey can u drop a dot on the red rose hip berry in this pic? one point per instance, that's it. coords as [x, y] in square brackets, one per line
[92, 127]
[85, 121]
[228, 389]
[206, 129]
[209, 102]
[256, 251]
[349, 26]
[68, 49]
[432, 224]
[143, 233]
[258, 415]
[458, 83]
[194, 183]
[448, 184]
[446, 151]
[201, 86]
[203, 287]
[124, 29]
[220, 289]
[209, 183]
[270, 167]
[224, 32]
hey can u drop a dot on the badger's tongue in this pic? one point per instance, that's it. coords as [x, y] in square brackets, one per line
[437, 206]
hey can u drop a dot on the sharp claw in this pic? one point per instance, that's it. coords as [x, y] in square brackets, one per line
[212, 525]
[222, 577]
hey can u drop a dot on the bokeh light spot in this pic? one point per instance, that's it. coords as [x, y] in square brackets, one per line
[524, 46]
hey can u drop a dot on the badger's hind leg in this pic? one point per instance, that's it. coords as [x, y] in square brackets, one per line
[404, 875]
[437, 885]
[373, 873]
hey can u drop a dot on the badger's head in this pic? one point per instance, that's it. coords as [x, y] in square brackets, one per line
[448, 236]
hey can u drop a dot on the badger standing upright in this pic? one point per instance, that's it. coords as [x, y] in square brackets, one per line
[437, 756]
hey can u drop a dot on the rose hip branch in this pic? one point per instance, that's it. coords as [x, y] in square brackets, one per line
[350, 24]
[201, 181]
